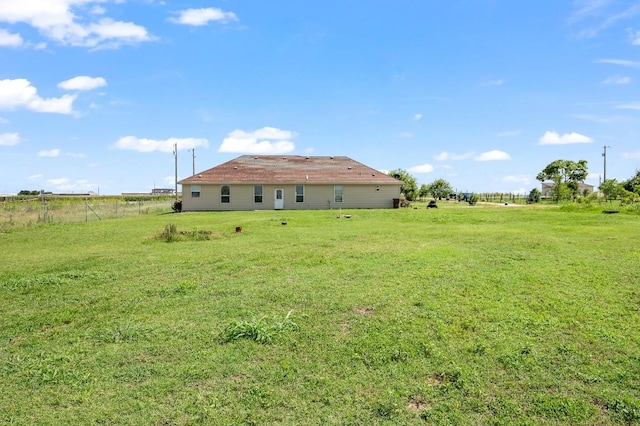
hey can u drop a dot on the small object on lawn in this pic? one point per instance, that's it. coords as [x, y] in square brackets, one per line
[610, 211]
[238, 228]
[347, 216]
[283, 223]
[506, 204]
[432, 205]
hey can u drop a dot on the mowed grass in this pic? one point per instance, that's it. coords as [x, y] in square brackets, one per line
[460, 315]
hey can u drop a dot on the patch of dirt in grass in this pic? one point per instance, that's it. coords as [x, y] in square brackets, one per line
[417, 405]
[436, 380]
[366, 310]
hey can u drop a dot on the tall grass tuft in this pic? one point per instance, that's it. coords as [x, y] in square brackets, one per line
[258, 330]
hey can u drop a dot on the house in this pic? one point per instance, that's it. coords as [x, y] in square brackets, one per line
[268, 182]
[547, 187]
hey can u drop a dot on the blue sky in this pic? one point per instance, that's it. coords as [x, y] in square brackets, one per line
[483, 93]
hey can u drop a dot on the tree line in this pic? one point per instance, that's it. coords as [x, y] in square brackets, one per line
[565, 177]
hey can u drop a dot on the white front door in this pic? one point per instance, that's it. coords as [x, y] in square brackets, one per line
[279, 199]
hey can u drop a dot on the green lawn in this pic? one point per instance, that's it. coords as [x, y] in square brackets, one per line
[456, 315]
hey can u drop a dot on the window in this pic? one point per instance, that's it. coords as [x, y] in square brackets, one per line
[225, 194]
[299, 193]
[337, 193]
[257, 194]
[195, 191]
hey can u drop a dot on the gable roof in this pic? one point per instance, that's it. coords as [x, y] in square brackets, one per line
[292, 169]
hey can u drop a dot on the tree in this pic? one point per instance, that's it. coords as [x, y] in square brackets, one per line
[424, 190]
[566, 176]
[611, 189]
[633, 184]
[409, 186]
[534, 196]
[440, 189]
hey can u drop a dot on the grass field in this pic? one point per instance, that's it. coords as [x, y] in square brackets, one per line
[457, 315]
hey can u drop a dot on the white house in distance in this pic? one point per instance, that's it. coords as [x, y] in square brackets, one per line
[267, 182]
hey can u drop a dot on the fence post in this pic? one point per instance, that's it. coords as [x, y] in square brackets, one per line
[86, 210]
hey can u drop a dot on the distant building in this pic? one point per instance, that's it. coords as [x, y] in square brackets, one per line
[547, 187]
[163, 191]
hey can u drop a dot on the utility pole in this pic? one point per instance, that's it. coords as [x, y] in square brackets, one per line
[175, 157]
[604, 155]
[193, 161]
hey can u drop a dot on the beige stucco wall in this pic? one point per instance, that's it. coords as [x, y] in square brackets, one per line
[316, 197]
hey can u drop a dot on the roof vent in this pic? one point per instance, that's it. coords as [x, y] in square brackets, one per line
[255, 158]
[331, 157]
[349, 167]
[284, 158]
[235, 167]
[199, 176]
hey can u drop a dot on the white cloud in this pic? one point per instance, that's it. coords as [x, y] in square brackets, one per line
[523, 179]
[635, 38]
[493, 83]
[34, 177]
[585, 8]
[198, 17]
[267, 140]
[444, 156]
[494, 155]
[406, 135]
[82, 82]
[554, 138]
[49, 153]
[66, 185]
[425, 168]
[165, 145]
[595, 118]
[600, 15]
[632, 105]
[58, 181]
[20, 93]
[417, 117]
[508, 133]
[620, 62]
[72, 22]
[631, 155]
[10, 40]
[616, 79]
[9, 139]
[76, 155]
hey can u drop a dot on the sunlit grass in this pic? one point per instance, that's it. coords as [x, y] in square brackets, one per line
[456, 315]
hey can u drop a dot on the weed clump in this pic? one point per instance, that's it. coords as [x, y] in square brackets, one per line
[258, 330]
[171, 234]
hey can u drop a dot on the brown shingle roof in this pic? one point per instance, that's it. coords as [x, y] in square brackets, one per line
[292, 169]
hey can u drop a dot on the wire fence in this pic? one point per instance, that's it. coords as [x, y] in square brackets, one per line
[16, 212]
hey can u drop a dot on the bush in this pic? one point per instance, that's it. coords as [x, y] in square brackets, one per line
[177, 206]
[170, 232]
[473, 199]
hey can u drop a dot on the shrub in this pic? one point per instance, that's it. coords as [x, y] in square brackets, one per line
[177, 206]
[473, 199]
[170, 232]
